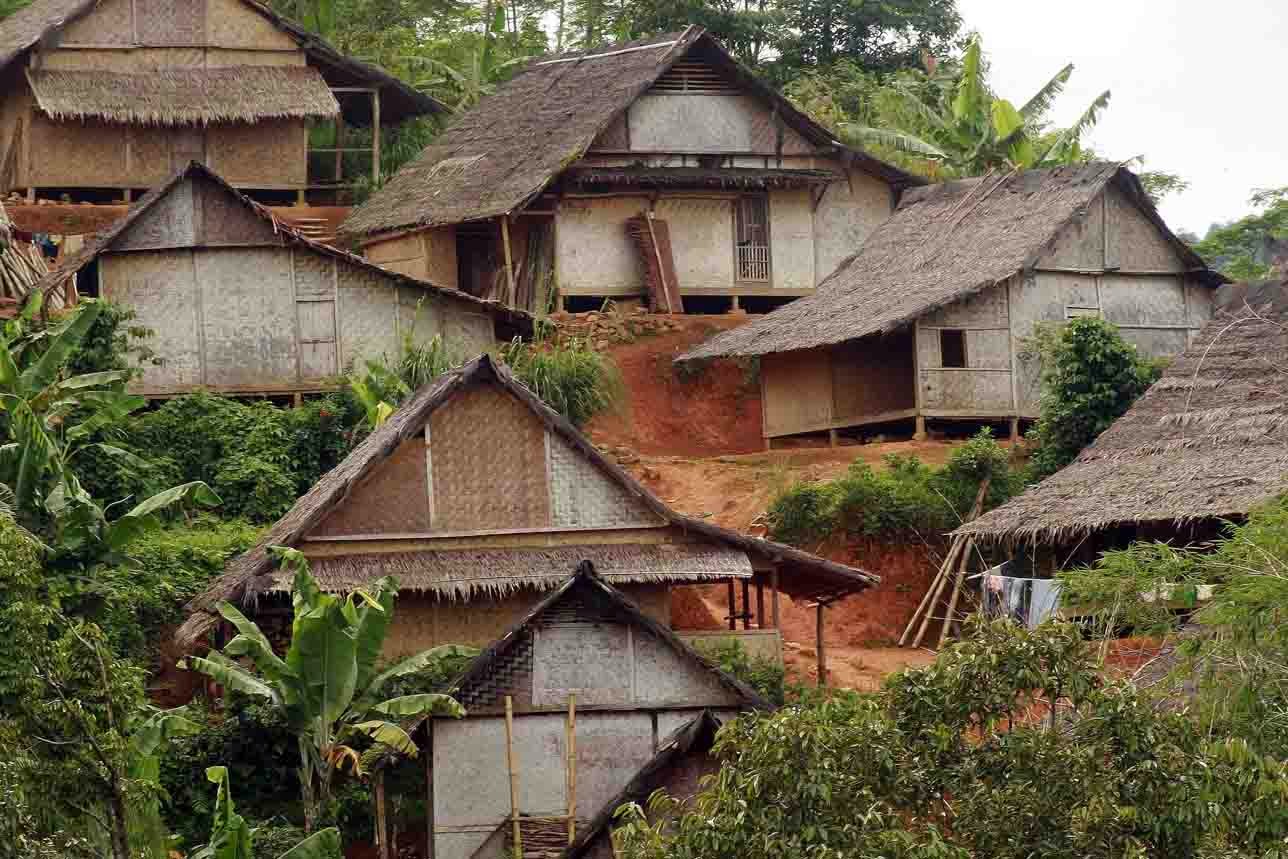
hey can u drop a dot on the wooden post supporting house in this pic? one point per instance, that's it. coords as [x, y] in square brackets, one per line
[819, 646]
[514, 778]
[572, 768]
[773, 595]
[509, 260]
[375, 137]
[746, 604]
[733, 607]
[760, 605]
[429, 787]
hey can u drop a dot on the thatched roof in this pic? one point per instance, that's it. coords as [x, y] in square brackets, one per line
[803, 576]
[944, 242]
[592, 599]
[695, 739]
[498, 156]
[511, 321]
[185, 96]
[43, 20]
[466, 573]
[1209, 440]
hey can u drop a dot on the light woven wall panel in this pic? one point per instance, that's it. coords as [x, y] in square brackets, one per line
[269, 153]
[393, 500]
[108, 24]
[167, 224]
[149, 154]
[582, 496]
[489, 459]
[248, 316]
[170, 22]
[233, 24]
[314, 275]
[76, 154]
[159, 287]
[365, 307]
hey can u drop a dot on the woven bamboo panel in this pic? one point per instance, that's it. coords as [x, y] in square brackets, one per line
[224, 58]
[76, 154]
[511, 675]
[764, 136]
[489, 456]
[108, 24]
[160, 289]
[393, 500]
[225, 220]
[170, 22]
[314, 275]
[420, 316]
[365, 305]
[248, 316]
[149, 154]
[233, 24]
[266, 153]
[167, 224]
[583, 496]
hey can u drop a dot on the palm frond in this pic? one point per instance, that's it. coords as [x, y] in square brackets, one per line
[896, 140]
[1041, 102]
[1064, 144]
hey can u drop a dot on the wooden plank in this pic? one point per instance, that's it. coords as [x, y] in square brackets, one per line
[509, 261]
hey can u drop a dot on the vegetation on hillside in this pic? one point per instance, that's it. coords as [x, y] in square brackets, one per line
[1246, 248]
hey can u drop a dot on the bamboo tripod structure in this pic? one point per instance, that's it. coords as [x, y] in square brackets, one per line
[954, 567]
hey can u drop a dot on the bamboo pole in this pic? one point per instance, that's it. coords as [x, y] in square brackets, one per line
[948, 561]
[382, 822]
[514, 778]
[375, 136]
[957, 588]
[509, 261]
[773, 595]
[936, 591]
[572, 768]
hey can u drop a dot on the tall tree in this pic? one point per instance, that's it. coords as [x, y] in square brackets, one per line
[880, 37]
[1249, 248]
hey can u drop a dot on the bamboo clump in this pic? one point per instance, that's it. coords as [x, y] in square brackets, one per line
[954, 568]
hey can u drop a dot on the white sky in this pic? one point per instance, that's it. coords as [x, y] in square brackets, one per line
[1197, 86]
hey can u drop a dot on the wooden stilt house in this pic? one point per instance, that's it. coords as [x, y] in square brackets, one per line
[239, 303]
[480, 500]
[930, 317]
[101, 99]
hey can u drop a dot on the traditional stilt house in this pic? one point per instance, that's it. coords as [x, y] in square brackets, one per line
[481, 500]
[930, 317]
[1207, 443]
[100, 99]
[658, 167]
[239, 303]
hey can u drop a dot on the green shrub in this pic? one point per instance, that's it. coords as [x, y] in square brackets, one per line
[571, 378]
[112, 343]
[906, 497]
[764, 675]
[1090, 377]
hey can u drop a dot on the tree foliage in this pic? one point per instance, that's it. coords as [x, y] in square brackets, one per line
[1010, 745]
[1090, 377]
[1245, 249]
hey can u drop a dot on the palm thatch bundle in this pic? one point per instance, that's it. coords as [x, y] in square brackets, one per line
[185, 96]
[944, 243]
[499, 155]
[1208, 441]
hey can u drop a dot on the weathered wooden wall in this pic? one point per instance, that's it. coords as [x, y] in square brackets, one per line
[429, 255]
[137, 36]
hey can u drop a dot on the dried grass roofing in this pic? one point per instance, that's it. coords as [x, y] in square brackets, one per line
[1208, 440]
[803, 575]
[42, 21]
[499, 155]
[185, 96]
[943, 243]
[511, 320]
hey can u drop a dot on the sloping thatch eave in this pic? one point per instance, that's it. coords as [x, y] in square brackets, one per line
[944, 243]
[807, 576]
[245, 94]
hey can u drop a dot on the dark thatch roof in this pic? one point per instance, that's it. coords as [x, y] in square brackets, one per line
[496, 157]
[584, 589]
[696, 738]
[697, 177]
[510, 321]
[185, 96]
[43, 20]
[464, 573]
[943, 243]
[804, 575]
[1209, 440]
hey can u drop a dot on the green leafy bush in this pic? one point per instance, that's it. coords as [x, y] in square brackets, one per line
[906, 497]
[765, 675]
[572, 378]
[1090, 377]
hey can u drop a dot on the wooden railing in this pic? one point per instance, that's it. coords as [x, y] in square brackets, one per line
[753, 263]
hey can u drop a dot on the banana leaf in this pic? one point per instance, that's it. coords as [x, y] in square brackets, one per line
[232, 676]
[419, 705]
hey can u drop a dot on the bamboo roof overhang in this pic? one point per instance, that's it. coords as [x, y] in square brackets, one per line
[944, 243]
[465, 574]
[801, 575]
[500, 155]
[42, 20]
[245, 94]
[1208, 441]
[732, 178]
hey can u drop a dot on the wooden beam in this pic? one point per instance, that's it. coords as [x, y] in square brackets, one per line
[429, 787]
[733, 607]
[516, 833]
[375, 137]
[819, 647]
[746, 603]
[773, 596]
[509, 261]
[760, 605]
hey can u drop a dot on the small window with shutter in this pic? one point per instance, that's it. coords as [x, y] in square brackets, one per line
[751, 239]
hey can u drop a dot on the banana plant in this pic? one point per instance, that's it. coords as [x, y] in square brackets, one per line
[329, 685]
[48, 419]
[231, 837]
[977, 131]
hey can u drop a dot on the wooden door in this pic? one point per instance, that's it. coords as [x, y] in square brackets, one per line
[315, 287]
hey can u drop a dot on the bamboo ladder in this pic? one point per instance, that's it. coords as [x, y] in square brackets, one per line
[954, 568]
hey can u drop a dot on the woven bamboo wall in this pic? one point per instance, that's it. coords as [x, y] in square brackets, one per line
[167, 224]
[134, 61]
[248, 316]
[614, 138]
[231, 23]
[849, 211]
[15, 107]
[170, 22]
[440, 256]
[110, 23]
[798, 391]
[474, 487]
[393, 500]
[159, 287]
[701, 240]
[150, 160]
[225, 220]
[266, 154]
[870, 377]
[791, 239]
[583, 496]
[222, 58]
[76, 154]
[403, 254]
[365, 307]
